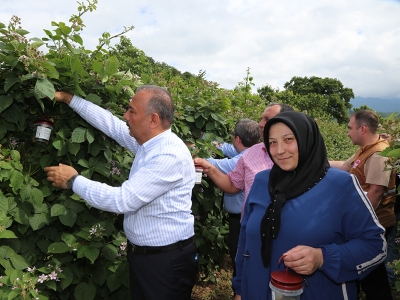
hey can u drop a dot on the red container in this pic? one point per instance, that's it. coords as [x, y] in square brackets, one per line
[199, 173]
[42, 131]
[286, 285]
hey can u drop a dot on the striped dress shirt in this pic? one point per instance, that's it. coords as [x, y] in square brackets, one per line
[156, 198]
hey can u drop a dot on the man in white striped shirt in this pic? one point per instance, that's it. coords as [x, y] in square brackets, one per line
[156, 198]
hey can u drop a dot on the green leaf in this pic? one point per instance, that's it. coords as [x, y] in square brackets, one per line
[58, 247]
[67, 279]
[14, 115]
[210, 126]
[38, 221]
[5, 165]
[189, 119]
[9, 83]
[58, 143]
[46, 160]
[110, 252]
[67, 238]
[22, 31]
[5, 101]
[15, 155]
[37, 197]
[145, 78]
[57, 210]
[111, 65]
[77, 38]
[81, 250]
[113, 282]
[76, 66]
[85, 291]
[200, 122]
[68, 45]
[18, 262]
[90, 135]
[14, 294]
[7, 234]
[92, 254]
[93, 98]
[16, 179]
[3, 203]
[51, 284]
[78, 135]
[97, 66]
[108, 154]
[65, 29]
[73, 148]
[36, 43]
[45, 191]
[95, 149]
[69, 218]
[26, 192]
[44, 88]
[83, 163]
[20, 215]
[104, 78]
[51, 71]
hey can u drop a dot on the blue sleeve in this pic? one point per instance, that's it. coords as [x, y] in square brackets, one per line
[228, 150]
[365, 245]
[225, 165]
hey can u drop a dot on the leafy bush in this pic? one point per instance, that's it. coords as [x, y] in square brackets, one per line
[53, 243]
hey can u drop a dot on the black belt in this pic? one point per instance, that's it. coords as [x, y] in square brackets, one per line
[234, 216]
[157, 249]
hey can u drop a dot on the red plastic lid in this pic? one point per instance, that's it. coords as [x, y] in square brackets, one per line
[286, 280]
[44, 121]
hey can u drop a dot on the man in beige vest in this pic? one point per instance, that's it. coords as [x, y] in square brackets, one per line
[379, 185]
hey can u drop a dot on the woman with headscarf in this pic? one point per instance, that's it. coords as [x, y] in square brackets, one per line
[317, 218]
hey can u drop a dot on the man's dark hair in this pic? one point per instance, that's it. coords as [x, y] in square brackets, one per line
[160, 102]
[284, 107]
[367, 118]
[248, 132]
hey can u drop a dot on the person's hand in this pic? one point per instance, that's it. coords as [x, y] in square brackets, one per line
[204, 164]
[303, 259]
[63, 97]
[60, 174]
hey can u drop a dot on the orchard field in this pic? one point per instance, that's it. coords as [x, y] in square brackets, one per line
[53, 245]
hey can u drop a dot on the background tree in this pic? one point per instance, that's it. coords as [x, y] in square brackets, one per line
[332, 89]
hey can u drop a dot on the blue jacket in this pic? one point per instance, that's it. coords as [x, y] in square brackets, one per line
[336, 215]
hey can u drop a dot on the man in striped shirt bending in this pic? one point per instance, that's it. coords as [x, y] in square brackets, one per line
[156, 198]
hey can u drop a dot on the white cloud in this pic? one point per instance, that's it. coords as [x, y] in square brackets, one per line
[356, 41]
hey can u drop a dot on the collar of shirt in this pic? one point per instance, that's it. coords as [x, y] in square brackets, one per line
[154, 141]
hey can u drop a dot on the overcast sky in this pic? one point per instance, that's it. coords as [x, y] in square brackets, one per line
[357, 42]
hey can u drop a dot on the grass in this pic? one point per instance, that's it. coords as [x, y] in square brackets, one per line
[221, 289]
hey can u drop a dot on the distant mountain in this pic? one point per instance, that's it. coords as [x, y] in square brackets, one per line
[378, 104]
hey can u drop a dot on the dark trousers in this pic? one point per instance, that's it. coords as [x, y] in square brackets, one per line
[234, 231]
[167, 275]
[376, 284]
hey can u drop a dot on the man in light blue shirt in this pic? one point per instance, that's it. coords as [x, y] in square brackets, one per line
[245, 135]
[156, 198]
